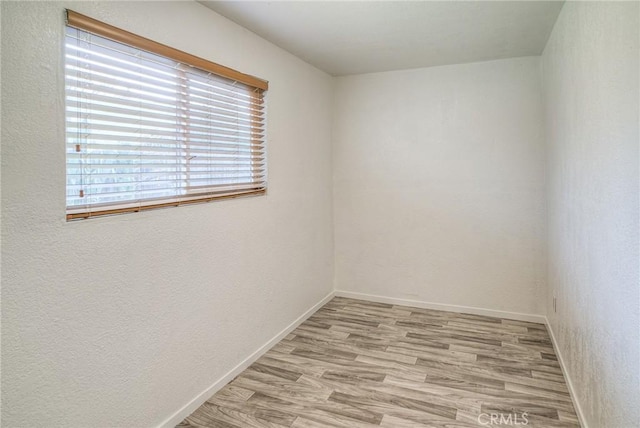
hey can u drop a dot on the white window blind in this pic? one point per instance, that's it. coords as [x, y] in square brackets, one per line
[144, 130]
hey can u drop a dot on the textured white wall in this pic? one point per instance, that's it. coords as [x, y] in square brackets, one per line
[438, 195]
[590, 74]
[438, 185]
[121, 321]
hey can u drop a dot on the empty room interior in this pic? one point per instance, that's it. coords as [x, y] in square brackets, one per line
[320, 214]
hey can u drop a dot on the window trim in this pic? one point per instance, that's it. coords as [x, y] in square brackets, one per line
[93, 26]
[138, 208]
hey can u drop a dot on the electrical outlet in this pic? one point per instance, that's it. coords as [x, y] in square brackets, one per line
[555, 307]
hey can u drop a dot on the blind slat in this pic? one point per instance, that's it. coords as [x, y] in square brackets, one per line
[168, 193]
[202, 118]
[146, 122]
[75, 137]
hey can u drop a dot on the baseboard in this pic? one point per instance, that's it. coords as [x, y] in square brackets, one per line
[185, 411]
[444, 307]
[572, 391]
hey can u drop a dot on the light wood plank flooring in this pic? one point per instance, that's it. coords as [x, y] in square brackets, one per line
[363, 364]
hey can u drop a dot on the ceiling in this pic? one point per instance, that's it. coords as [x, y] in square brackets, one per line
[353, 37]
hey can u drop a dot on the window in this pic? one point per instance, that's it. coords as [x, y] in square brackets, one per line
[150, 126]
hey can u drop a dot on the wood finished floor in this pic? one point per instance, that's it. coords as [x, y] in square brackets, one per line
[363, 364]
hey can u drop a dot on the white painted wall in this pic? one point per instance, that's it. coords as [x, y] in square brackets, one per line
[438, 185]
[121, 321]
[438, 196]
[590, 74]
